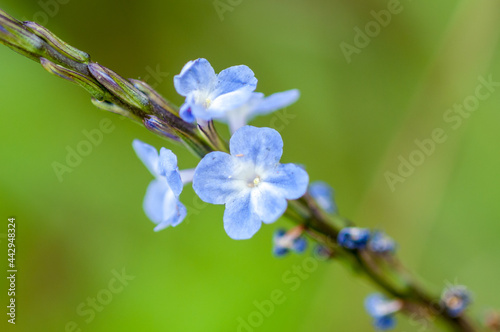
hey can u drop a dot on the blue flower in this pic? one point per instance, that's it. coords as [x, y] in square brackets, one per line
[161, 203]
[284, 242]
[259, 105]
[323, 195]
[250, 181]
[382, 311]
[456, 299]
[381, 243]
[353, 237]
[209, 95]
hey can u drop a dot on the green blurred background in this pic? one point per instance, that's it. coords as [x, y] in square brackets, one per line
[350, 126]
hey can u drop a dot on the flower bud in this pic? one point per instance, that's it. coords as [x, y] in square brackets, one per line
[54, 41]
[119, 86]
[74, 77]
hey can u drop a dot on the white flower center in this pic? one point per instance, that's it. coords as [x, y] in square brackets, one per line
[255, 182]
[207, 103]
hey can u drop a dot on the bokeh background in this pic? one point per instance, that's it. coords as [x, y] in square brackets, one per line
[350, 126]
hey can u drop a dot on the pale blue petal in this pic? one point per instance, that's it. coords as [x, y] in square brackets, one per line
[261, 146]
[276, 101]
[323, 195]
[168, 168]
[227, 102]
[240, 222]
[288, 179]
[148, 155]
[213, 181]
[268, 203]
[200, 112]
[240, 116]
[235, 78]
[175, 219]
[196, 75]
[186, 114]
[154, 200]
[180, 215]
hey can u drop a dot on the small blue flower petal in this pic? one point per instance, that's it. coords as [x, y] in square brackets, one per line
[240, 222]
[289, 179]
[353, 237]
[374, 305]
[323, 195]
[384, 323]
[381, 243]
[382, 310]
[262, 147]
[186, 114]
[256, 105]
[220, 105]
[456, 299]
[278, 234]
[195, 75]
[280, 251]
[168, 169]
[180, 215]
[299, 245]
[148, 155]
[283, 242]
[213, 179]
[160, 203]
[235, 78]
[268, 203]
[275, 102]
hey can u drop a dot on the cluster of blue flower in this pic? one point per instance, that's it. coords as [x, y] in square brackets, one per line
[455, 299]
[250, 180]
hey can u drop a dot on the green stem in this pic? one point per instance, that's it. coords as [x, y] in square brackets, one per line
[137, 100]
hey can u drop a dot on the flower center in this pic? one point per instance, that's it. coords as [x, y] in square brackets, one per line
[454, 302]
[207, 103]
[255, 182]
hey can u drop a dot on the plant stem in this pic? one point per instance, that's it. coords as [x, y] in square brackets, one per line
[138, 101]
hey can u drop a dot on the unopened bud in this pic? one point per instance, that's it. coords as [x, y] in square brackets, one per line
[119, 86]
[57, 43]
[14, 34]
[155, 125]
[154, 96]
[74, 77]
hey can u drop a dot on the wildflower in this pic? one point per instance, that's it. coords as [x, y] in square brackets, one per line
[250, 181]
[284, 242]
[381, 243]
[456, 299]
[382, 311]
[161, 202]
[209, 95]
[353, 237]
